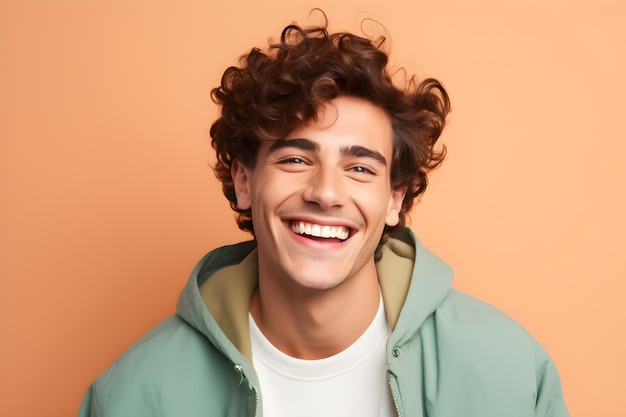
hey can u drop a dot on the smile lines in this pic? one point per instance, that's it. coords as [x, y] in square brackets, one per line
[316, 230]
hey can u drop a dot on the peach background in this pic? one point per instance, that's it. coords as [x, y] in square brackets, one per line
[107, 200]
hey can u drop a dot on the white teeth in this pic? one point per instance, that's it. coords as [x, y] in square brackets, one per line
[316, 230]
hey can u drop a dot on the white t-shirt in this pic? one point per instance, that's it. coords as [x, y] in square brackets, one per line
[351, 383]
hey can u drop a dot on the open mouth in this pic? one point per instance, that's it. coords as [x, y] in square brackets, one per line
[319, 232]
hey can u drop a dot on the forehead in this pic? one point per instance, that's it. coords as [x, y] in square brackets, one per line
[348, 121]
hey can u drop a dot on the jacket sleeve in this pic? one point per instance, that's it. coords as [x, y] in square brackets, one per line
[549, 402]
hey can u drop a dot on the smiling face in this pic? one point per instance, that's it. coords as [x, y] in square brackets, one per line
[321, 197]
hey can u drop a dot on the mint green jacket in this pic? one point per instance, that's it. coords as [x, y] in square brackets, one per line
[449, 355]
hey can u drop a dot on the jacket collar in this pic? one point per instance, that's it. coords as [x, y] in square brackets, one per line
[217, 297]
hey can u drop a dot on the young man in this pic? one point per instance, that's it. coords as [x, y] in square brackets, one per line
[335, 308]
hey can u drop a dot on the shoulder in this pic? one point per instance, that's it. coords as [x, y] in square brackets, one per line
[172, 364]
[164, 350]
[475, 334]
[466, 318]
[475, 360]
[484, 345]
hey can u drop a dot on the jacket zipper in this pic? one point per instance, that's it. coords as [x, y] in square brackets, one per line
[256, 402]
[393, 396]
[239, 370]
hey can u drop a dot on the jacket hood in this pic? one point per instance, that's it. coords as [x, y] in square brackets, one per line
[216, 299]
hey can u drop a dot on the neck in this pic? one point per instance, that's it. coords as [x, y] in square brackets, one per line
[315, 324]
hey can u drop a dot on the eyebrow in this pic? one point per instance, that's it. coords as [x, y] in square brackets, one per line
[309, 145]
[299, 143]
[363, 152]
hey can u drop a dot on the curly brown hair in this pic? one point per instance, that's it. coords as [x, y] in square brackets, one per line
[274, 91]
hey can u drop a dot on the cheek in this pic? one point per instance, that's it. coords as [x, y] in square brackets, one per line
[267, 197]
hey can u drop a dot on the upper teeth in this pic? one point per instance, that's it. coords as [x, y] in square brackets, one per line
[302, 228]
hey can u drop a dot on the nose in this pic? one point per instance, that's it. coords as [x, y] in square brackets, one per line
[324, 187]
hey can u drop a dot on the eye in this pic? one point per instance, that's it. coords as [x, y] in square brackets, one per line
[292, 160]
[360, 169]
[293, 164]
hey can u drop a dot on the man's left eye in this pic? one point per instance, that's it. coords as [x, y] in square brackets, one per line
[291, 160]
[361, 169]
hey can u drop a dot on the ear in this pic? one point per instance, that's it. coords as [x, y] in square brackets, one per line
[395, 206]
[239, 173]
